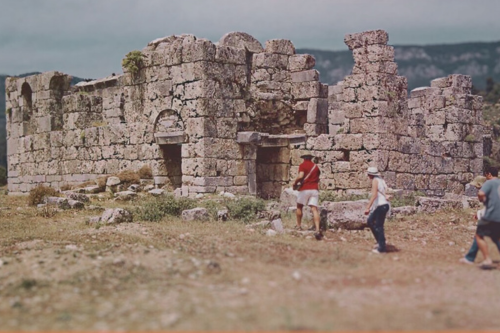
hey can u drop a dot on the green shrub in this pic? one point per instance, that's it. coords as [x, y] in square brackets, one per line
[3, 176]
[38, 193]
[212, 206]
[245, 208]
[156, 208]
[132, 61]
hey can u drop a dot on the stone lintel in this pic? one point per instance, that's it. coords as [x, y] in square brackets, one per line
[249, 137]
[164, 138]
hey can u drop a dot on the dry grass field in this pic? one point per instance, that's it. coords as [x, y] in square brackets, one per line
[58, 273]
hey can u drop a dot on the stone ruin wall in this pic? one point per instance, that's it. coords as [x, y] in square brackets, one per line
[180, 114]
[431, 142]
[236, 117]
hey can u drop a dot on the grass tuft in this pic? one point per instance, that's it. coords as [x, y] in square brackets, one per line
[38, 193]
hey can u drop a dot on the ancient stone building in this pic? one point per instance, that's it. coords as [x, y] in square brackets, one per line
[235, 116]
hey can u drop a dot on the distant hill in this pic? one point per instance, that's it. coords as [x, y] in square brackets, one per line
[421, 64]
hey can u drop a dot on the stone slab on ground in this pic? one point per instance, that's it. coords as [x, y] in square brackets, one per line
[345, 214]
[61, 203]
[433, 205]
[76, 196]
[195, 214]
[403, 211]
[116, 215]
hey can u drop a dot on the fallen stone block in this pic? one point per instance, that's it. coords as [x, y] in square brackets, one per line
[134, 188]
[93, 220]
[125, 195]
[113, 181]
[403, 211]
[222, 215]
[59, 202]
[269, 214]
[348, 215]
[277, 226]
[75, 204]
[76, 196]
[433, 205]
[116, 215]
[288, 198]
[195, 214]
[149, 187]
[92, 189]
[156, 192]
[271, 233]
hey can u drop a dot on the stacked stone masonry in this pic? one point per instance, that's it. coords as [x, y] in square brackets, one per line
[236, 116]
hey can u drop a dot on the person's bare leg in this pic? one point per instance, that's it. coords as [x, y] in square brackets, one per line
[315, 213]
[298, 213]
[483, 247]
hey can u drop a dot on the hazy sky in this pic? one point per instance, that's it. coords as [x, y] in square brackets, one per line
[88, 38]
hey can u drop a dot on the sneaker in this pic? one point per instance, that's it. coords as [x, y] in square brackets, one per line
[318, 235]
[297, 227]
[465, 261]
[377, 251]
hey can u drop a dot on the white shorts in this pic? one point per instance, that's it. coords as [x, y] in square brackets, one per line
[308, 197]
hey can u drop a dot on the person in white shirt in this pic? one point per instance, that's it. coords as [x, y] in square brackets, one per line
[377, 208]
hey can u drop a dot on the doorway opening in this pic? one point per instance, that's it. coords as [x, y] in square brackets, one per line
[273, 171]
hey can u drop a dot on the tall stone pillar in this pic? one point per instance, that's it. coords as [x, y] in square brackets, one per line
[374, 103]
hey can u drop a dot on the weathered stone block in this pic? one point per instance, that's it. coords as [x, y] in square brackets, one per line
[241, 40]
[347, 215]
[384, 67]
[305, 76]
[362, 39]
[424, 91]
[433, 205]
[379, 52]
[317, 111]
[441, 82]
[281, 46]
[301, 62]
[202, 89]
[269, 60]
[231, 55]
[306, 90]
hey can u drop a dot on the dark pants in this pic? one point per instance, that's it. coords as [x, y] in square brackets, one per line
[376, 221]
[471, 255]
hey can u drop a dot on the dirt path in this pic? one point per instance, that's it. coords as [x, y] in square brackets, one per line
[60, 274]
